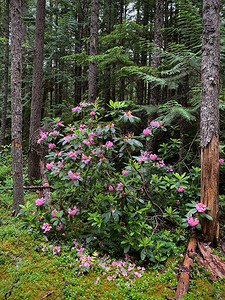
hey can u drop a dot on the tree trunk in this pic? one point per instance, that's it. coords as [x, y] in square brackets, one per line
[6, 76]
[210, 117]
[16, 105]
[158, 39]
[36, 102]
[92, 79]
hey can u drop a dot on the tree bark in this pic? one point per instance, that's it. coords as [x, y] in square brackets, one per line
[6, 76]
[93, 69]
[210, 116]
[16, 105]
[36, 102]
[158, 39]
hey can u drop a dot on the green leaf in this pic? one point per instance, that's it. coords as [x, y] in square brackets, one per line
[209, 217]
[143, 254]
[126, 249]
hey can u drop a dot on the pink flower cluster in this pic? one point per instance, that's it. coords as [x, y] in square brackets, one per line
[77, 108]
[74, 176]
[119, 187]
[50, 165]
[86, 159]
[147, 131]
[156, 124]
[192, 222]
[180, 189]
[46, 227]
[144, 156]
[40, 201]
[200, 207]
[53, 213]
[108, 144]
[51, 145]
[128, 114]
[43, 136]
[73, 212]
[221, 160]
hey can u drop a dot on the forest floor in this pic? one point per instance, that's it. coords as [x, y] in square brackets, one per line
[28, 272]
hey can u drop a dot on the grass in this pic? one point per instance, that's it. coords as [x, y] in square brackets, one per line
[27, 272]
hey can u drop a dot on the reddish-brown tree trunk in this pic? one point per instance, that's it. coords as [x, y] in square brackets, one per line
[210, 116]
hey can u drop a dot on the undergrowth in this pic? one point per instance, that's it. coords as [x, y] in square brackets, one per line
[28, 272]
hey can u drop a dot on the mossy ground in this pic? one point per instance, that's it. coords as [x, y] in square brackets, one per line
[26, 272]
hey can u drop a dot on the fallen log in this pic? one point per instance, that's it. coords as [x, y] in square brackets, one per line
[183, 283]
[32, 187]
[212, 262]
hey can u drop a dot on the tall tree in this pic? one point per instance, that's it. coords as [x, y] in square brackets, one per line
[210, 116]
[6, 76]
[36, 102]
[16, 105]
[92, 79]
[158, 42]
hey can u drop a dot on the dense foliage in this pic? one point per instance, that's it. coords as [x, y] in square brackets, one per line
[111, 192]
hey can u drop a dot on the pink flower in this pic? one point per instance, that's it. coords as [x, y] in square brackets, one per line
[76, 108]
[49, 166]
[128, 114]
[53, 213]
[142, 158]
[92, 113]
[154, 123]
[192, 222]
[73, 212]
[39, 141]
[221, 160]
[46, 227]
[59, 123]
[97, 279]
[74, 176]
[43, 134]
[119, 186]
[125, 172]
[147, 131]
[200, 207]
[59, 227]
[111, 188]
[66, 138]
[180, 189]
[56, 250]
[86, 159]
[108, 144]
[153, 156]
[40, 201]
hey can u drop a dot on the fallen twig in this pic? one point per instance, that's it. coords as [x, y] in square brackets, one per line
[49, 294]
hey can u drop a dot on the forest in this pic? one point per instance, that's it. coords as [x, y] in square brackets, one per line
[112, 149]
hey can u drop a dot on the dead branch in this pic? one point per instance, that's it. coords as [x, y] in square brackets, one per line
[47, 295]
[183, 283]
[212, 262]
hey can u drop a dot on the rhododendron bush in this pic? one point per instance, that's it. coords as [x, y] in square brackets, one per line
[109, 190]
